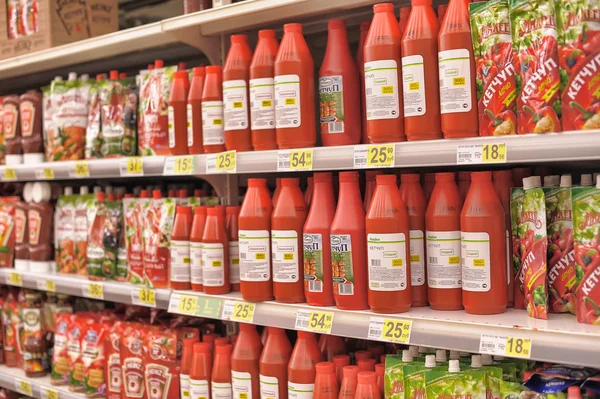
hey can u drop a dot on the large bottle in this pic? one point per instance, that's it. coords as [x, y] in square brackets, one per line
[232, 214]
[483, 244]
[180, 248]
[360, 63]
[215, 254]
[458, 100]
[348, 246]
[294, 91]
[187, 355]
[194, 112]
[287, 223]
[502, 185]
[383, 84]
[340, 361]
[444, 273]
[273, 364]
[255, 242]
[213, 135]
[388, 252]
[244, 363]
[326, 386]
[236, 74]
[221, 373]
[370, 184]
[349, 382]
[200, 371]
[367, 386]
[331, 346]
[339, 90]
[420, 73]
[318, 285]
[177, 114]
[196, 234]
[301, 367]
[403, 20]
[262, 91]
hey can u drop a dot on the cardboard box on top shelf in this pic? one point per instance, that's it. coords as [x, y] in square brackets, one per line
[60, 22]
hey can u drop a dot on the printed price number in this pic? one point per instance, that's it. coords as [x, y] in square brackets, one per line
[381, 155]
[320, 322]
[226, 161]
[184, 165]
[135, 166]
[396, 330]
[10, 174]
[147, 296]
[50, 393]
[82, 169]
[518, 347]
[243, 312]
[301, 160]
[493, 153]
[50, 286]
[48, 174]
[15, 278]
[24, 387]
[187, 304]
[95, 290]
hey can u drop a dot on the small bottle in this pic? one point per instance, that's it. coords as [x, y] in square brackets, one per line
[273, 364]
[231, 224]
[326, 386]
[213, 135]
[215, 257]
[196, 234]
[349, 382]
[380, 371]
[366, 364]
[222, 341]
[177, 113]
[200, 371]
[180, 248]
[186, 364]
[221, 373]
[340, 361]
[367, 386]
[194, 111]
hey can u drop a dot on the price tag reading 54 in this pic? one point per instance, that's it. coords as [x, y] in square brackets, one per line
[294, 160]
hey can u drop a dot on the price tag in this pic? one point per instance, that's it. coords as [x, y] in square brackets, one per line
[93, 290]
[315, 321]
[144, 297]
[294, 160]
[49, 393]
[80, 170]
[23, 387]
[223, 162]
[132, 166]
[481, 153]
[179, 165]
[10, 174]
[391, 330]
[15, 278]
[188, 304]
[374, 156]
[505, 346]
[238, 311]
[47, 285]
[44, 174]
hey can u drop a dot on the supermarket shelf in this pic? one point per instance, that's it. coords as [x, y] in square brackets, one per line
[11, 378]
[560, 339]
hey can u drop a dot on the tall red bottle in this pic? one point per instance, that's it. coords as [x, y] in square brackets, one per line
[349, 382]
[196, 234]
[177, 114]
[301, 367]
[213, 135]
[245, 363]
[194, 112]
[215, 254]
[502, 185]
[326, 386]
[200, 371]
[221, 373]
[340, 362]
[180, 248]
[370, 184]
[231, 224]
[360, 63]
[273, 364]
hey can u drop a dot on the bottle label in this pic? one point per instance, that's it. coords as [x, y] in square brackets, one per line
[221, 390]
[287, 101]
[269, 387]
[475, 257]
[234, 262]
[10, 115]
[381, 90]
[313, 262]
[212, 123]
[190, 125]
[184, 385]
[455, 81]
[255, 257]
[196, 262]
[199, 389]
[34, 224]
[241, 384]
[443, 259]
[331, 98]
[180, 261]
[284, 247]
[171, 115]
[262, 103]
[341, 261]
[417, 258]
[387, 262]
[413, 85]
[235, 98]
[213, 268]
[20, 223]
[300, 391]
[27, 118]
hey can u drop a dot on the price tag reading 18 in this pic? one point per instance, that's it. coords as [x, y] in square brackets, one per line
[518, 347]
[493, 153]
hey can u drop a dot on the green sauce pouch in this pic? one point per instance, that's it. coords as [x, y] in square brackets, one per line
[462, 384]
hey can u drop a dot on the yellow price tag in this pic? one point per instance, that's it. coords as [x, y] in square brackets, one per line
[226, 161]
[10, 174]
[243, 311]
[320, 322]
[147, 296]
[301, 160]
[82, 169]
[518, 347]
[381, 155]
[188, 304]
[51, 393]
[493, 153]
[24, 387]
[48, 174]
[96, 290]
[184, 165]
[50, 286]
[135, 166]
[16, 279]
[396, 330]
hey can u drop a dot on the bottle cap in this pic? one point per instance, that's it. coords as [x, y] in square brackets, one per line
[371, 175]
[209, 338]
[214, 211]
[406, 356]
[322, 177]
[100, 197]
[367, 377]
[537, 181]
[200, 210]
[127, 196]
[340, 360]
[144, 194]
[305, 334]
[97, 189]
[159, 64]
[201, 347]
[223, 349]
[454, 366]
[183, 209]
[111, 197]
[198, 192]
[58, 79]
[430, 361]
[290, 182]
[366, 364]
[182, 65]
[410, 178]
[122, 75]
[336, 24]
[380, 369]
[41, 192]
[114, 74]
[440, 355]
[232, 210]
[108, 189]
[214, 69]
[382, 358]
[244, 326]
[383, 7]
[28, 192]
[565, 181]
[181, 75]
[84, 77]
[476, 361]
[68, 190]
[348, 177]
[267, 34]
[99, 77]
[171, 193]
[72, 76]
[289, 28]
[386, 180]
[365, 25]
[182, 193]
[257, 182]
[325, 368]
[199, 71]
[156, 194]
[238, 39]
[350, 372]
[586, 180]
[414, 350]
[405, 11]
[454, 355]
[222, 341]
[444, 177]
[486, 360]
[481, 176]
[361, 355]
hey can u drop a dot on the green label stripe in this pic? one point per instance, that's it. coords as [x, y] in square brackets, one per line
[380, 69]
[416, 238]
[199, 384]
[298, 390]
[268, 383]
[287, 83]
[475, 240]
[234, 87]
[265, 85]
[415, 64]
[212, 106]
[443, 239]
[386, 242]
[285, 238]
[253, 238]
[241, 379]
[455, 59]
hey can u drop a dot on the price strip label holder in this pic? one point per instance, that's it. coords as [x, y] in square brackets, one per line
[144, 297]
[132, 166]
[184, 304]
[238, 311]
[505, 346]
[222, 162]
[10, 174]
[390, 330]
[23, 387]
[15, 278]
[315, 321]
[47, 285]
[374, 156]
[44, 174]
[81, 170]
[295, 160]
[93, 290]
[181, 165]
[49, 393]
[474, 154]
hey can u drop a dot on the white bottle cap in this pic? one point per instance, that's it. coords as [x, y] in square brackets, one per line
[68, 190]
[487, 360]
[454, 366]
[430, 361]
[423, 349]
[566, 181]
[84, 190]
[586, 180]
[41, 192]
[97, 189]
[527, 183]
[499, 358]
[596, 177]
[406, 356]
[28, 192]
[454, 355]
[108, 189]
[58, 78]
[476, 361]
[551, 181]
[85, 77]
[72, 76]
[440, 356]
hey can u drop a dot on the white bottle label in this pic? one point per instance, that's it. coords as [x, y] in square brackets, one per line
[287, 101]
[255, 256]
[221, 390]
[171, 115]
[387, 262]
[196, 262]
[235, 99]
[443, 259]
[300, 391]
[381, 89]
[234, 262]
[184, 385]
[475, 257]
[190, 125]
[262, 103]
[180, 261]
[284, 247]
[417, 258]
[199, 389]
[213, 268]
[413, 85]
[269, 387]
[241, 384]
[455, 81]
[212, 123]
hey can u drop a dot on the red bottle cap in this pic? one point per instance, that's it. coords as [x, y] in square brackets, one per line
[386, 179]
[305, 334]
[336, 24]
[247, 327]
[214, 69]
[289, 28]
[367, 364]
[209, 338]
[372, 174]
[290, 182]
[200, 210]
[111, 197]
[232, 210]
[183, 209]
[404, 11]
[350, 371]
[221, 341]
[341, 360]
[410, 178]
[383, 7]
[349, 177]
[322, 177]
[275, 330]
[364, 26]
[444, 177]
[114, 75]
[171, 194]
[382, 359]
[257, 182]
[122, 75]
[201, 347]
[159, 63]
[182, 193]
[100, 77]
[481, 176]
[267, 34]
[128, 196]
[181, 75]
[182, 65]
[213, 211]
[368, 377]
[380, 369]
[239, 39]
[198, 192]
[221, 209]
[361, 355]
[144, 194]
[100, 197]
[150, 67]
[223, 349]
[156, 194]
[325, 368]
[416, 3]
[199, 71]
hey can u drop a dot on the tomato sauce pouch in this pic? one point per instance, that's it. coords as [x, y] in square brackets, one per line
[93, 135]
[70, 120]
[29, 16]
[94, 361]
[113, 375]
[160, 364]
[134, 245]
[118, 109]
[517, 198]
[60, 357]
[64, 234]
[80, 323]
[158, 229]
[14, 19]
[131, 343]
[557, 378]
[85, 212]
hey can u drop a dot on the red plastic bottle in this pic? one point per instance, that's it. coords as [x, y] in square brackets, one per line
[294, 91]
[273, 364]
[464, 182]
[349, 382]
[180, 248]
[245, 363]
[348, 247]
[385, 120]
[366, 364]
[222, 341]
[186, 364]
[388, 252]
[262, 91]
[255, 242]
[362, 355]
[215, 254]
[340, 361]
[458, 102]
[428, 184]
[287, 223]
[367, 386]
[502, 185]
[196, 247]
[308, 193]
[200, 371]
[331, 346]
[420, 73]
[236, 74]
[301, 367]
[360, 63]
[177, 113]
[404, 15]
[339, 89]
[414, 199]
[210, 339]
[231, 224]
[380, 371]
[370, 178]
[326, 385]
[483, 242]
[441, 13]
[444, 273]
[318, 286]
[213, 135]
[194, 112]
[221, 373]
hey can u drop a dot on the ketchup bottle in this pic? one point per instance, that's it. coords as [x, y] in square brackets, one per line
[262, 91]
[215, 256]
[366, 364]
[213, 135]
[277, 191]
[380, 372]
[385, 120]
[420, 73]
[196, 234]
[331, 346]
[180, 248]
[194, 112]
[349, 382]
[294, 91]
[221, 373]
[457, 73]
[348, 247]
[340, 361]
[245, 363]
[308, 193]
[301, 367]
[414, 199]
[502, 184]
[339, 89]
[273, 364]
[370, 184]
[428, 184]
[367, 386]
[200, 371]
[464, 182]
[483, 243]
[388, 253]
[360, 63]
[254, 242]
[231, 224]
[236, 74]
[287, 223]
[404, 15]
[186, 365]
[318, 286]
[222, 341]
[444, 273]
[326, 386]
[177, 113]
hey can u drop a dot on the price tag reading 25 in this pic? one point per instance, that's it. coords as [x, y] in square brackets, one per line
[226, 162]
